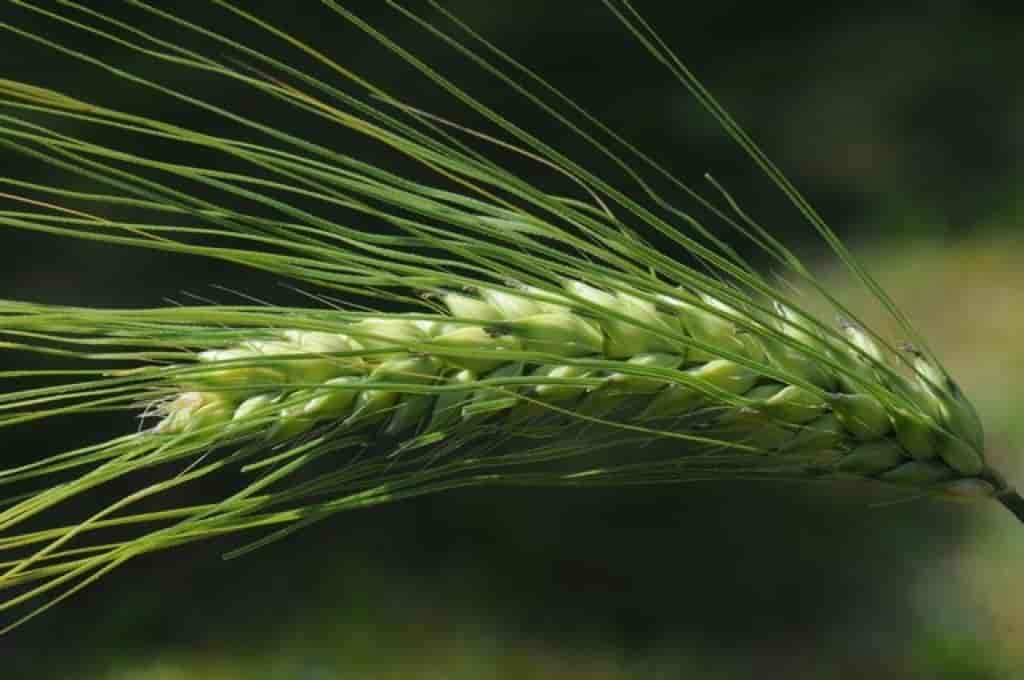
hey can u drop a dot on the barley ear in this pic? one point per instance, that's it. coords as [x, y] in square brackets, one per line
[480, 308]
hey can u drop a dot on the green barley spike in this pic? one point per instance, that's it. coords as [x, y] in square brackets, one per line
[542, 339]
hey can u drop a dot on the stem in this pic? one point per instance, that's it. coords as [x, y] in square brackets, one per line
[1013, 502]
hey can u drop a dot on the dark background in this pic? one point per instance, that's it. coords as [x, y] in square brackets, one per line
[895, 121]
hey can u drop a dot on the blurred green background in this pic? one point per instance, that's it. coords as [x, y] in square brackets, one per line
[906, 129]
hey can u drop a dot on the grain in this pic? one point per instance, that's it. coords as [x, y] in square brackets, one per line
[305, 380]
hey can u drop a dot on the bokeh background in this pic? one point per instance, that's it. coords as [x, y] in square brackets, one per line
[905, 127]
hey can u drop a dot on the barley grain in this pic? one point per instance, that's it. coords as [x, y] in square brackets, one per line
[316, 379]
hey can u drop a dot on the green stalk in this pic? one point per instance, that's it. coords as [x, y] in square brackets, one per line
[1012, 501]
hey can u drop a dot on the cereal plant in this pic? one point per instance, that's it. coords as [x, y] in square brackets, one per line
[464, 324]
